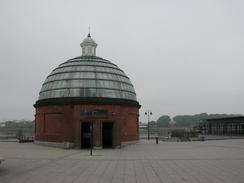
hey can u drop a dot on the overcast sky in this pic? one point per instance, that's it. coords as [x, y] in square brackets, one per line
[183, 56]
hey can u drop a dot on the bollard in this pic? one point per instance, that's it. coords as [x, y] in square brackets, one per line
[156, 140]
[202, 138]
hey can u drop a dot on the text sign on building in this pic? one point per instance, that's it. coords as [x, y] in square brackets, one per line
[94, 113]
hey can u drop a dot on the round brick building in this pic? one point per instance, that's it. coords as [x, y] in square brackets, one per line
[87, 100]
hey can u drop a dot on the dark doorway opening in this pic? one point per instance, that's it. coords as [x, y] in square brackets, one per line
[85, 135]
[107, 134]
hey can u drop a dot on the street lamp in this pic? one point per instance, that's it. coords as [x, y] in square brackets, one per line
[91, 137]
[148, 113]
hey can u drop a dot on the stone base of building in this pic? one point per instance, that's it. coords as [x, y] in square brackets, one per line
[64, 145]
[129, 142]
[97, 147]
[70, 145]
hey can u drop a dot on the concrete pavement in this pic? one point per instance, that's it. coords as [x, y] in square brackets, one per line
[204, 162]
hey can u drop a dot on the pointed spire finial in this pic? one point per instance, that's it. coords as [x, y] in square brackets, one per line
[89, 32]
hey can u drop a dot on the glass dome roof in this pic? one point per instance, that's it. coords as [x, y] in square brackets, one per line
[87, 76]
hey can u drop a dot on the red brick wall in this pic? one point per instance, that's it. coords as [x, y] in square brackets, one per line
[54, 123]
[63, 123]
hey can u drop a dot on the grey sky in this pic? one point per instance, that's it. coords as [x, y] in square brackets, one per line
[183, 57]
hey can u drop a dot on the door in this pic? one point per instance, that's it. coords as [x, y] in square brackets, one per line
[107, 134]
[85, 135]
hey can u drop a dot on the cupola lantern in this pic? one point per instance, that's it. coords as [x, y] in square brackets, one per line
[88, 46]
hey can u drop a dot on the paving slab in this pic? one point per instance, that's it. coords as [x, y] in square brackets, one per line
[168, 162]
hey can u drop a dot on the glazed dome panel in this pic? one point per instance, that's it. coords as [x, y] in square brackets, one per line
[87, 76]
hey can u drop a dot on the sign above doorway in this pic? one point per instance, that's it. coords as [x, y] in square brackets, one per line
[94, 113]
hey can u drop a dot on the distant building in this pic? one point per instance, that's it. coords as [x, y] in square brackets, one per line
[13, 128]
[223, 126]
[83, 95]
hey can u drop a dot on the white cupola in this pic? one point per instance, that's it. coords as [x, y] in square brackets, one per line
[88, 46]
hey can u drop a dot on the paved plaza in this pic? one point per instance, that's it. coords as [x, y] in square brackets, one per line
[204, 162]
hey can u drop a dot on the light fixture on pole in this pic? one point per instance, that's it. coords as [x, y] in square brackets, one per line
[148, 113]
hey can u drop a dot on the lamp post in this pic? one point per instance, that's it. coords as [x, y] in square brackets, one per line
[91, 137]
[148, 113]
